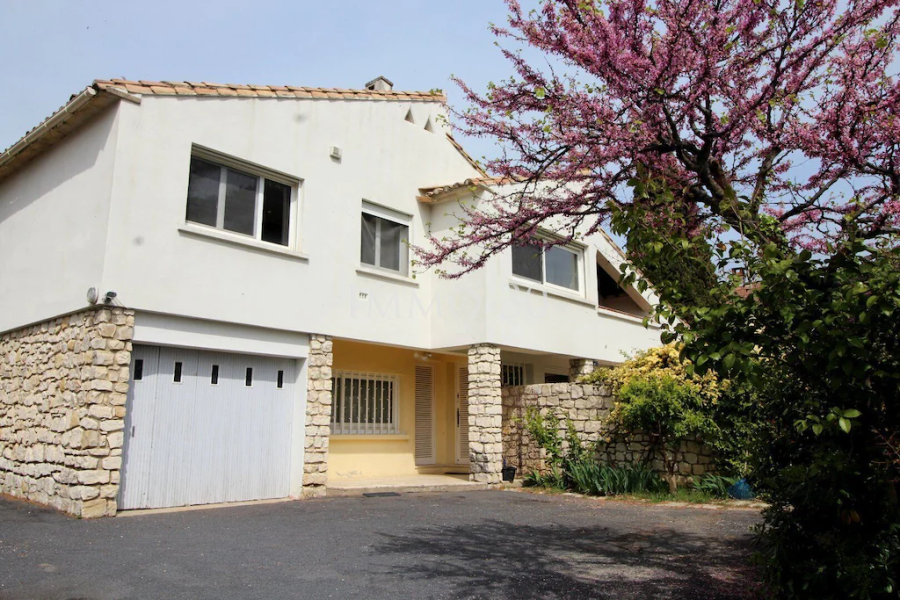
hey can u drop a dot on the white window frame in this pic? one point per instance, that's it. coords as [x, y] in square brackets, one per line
[225, 162]
[388, 214]
[577, 249]
[341, 425]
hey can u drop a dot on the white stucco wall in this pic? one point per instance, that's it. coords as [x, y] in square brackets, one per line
[106, 208]
[53, 226]
[166, 330]
[154, 267]
[517, 313]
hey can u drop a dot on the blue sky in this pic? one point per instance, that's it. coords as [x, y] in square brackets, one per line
[56, 48]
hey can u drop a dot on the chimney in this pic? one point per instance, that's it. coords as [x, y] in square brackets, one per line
[380, 84]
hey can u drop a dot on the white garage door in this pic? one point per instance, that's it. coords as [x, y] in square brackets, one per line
[205, 427]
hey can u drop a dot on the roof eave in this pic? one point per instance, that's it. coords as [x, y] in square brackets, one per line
[58, 126]
[452, 194]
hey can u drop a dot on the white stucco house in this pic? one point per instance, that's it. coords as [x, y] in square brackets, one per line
[206, 296]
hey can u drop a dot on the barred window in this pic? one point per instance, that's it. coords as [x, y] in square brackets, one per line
[364, 403]
[512, 374]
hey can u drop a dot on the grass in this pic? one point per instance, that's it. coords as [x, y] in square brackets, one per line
[683, 495]
[593, 478]
[689, 495]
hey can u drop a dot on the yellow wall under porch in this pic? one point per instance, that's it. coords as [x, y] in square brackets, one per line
[384, 455]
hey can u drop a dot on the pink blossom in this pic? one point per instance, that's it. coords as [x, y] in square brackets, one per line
[789, 108]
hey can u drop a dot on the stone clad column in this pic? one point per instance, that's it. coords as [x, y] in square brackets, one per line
[318, 415]
[579, 367]
[485, 414]
[63, 390]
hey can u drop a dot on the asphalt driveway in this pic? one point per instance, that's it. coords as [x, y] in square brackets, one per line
[450, 545]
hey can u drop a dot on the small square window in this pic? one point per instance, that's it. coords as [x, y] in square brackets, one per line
[364, 403]
[385, 239]
[512, 374]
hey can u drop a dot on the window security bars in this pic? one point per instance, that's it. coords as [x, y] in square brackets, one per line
[364, 403]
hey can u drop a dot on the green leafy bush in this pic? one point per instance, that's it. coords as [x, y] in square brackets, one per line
[713, 485]
[817, 340]
[729, 406]
[554, 478]
[594, 478]
[574, 466]
[544, 430]
[669, 411]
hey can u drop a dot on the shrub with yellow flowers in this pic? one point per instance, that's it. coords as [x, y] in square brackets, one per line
[660, 396]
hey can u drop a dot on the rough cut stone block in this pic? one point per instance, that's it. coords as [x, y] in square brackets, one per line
[49, 373]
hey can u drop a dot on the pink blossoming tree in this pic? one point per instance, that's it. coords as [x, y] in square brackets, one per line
[746, 108]
[761, 134]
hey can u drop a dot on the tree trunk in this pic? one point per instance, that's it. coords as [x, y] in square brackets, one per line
[669, 465]
[673, 484]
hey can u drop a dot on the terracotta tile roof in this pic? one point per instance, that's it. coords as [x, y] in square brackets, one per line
[467, 156]
[83, 105]
[206, 88]
[432, 194]
[80, 108]
[744, 291]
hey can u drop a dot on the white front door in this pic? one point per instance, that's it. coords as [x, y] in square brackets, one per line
[462, 416]
[206, 427]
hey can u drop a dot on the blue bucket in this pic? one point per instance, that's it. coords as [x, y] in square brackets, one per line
[741, 490]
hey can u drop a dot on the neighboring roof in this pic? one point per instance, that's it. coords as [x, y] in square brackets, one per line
[105, 92]
[431, 195]
[744, 291]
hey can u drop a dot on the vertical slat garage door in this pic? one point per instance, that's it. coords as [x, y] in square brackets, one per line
[206, 427]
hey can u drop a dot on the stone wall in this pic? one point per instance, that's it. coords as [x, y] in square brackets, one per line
[588, 407]
[318, 415]
[579, 367]
[63, 387]
[485, 438]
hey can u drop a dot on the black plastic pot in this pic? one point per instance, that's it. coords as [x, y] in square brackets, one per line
[508, 473]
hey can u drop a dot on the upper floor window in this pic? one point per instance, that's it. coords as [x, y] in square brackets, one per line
[558, 266]
[385, 238]
[239, 200]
